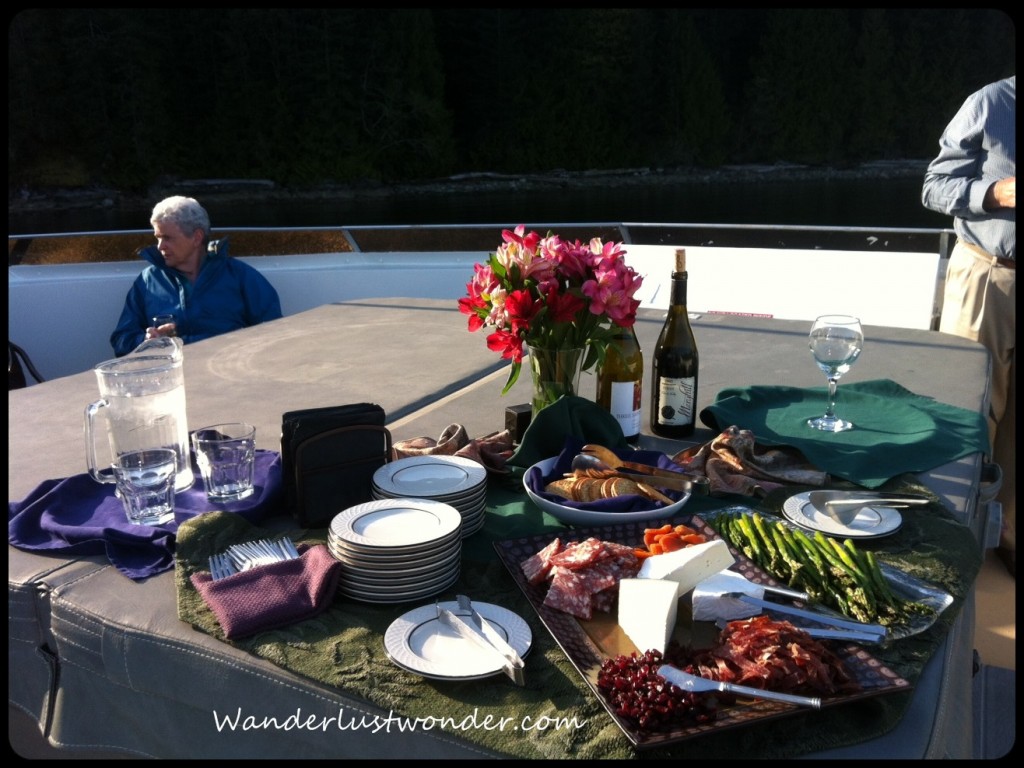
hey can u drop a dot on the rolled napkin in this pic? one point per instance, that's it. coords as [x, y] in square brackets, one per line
[734, 463]
[493, 450]
[273, 595]
[710, 603]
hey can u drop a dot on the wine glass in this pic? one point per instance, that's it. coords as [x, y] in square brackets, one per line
[835, 342]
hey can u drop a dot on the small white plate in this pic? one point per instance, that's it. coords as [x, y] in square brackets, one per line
[429, 476]
[419, 643]
[395, 523]
[870, 522]
[574, 516]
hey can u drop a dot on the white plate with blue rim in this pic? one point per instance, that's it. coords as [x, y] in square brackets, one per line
[418, 642]
[871, 522]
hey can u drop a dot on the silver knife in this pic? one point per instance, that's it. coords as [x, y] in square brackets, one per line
[468, 632]
[821, 618]
[697, 684]
[489, 632]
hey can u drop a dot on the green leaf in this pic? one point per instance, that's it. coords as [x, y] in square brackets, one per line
[513, 377]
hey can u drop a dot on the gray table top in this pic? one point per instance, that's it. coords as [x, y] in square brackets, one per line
[417, 359]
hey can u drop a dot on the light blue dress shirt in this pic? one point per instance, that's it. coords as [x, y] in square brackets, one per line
[977, 149]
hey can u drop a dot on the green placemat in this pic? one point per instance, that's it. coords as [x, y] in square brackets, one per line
[896, 431]
[343, 647]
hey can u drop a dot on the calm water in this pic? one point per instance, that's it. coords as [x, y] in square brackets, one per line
[858, 202]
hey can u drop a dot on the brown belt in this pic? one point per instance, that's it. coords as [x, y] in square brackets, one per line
[1007, 263]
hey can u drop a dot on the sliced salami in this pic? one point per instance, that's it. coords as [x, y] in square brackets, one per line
[568, 593]
[538, 566]
[580, 554]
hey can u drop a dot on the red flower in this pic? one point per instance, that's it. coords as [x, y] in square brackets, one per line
[550, 293]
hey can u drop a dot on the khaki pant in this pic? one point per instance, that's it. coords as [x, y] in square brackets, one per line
[980, 303]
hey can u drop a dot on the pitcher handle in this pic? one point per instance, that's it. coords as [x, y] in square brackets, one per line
[90, 444]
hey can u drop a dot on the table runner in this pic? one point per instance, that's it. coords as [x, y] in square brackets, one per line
[896, 431]
[344, 648]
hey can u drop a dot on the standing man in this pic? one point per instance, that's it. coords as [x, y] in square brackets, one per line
[973, 179]
[199, 289]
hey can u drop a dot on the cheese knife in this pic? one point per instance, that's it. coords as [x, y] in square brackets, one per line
[697, 684]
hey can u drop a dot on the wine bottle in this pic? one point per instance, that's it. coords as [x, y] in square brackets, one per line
[620, 382]
[675, 366]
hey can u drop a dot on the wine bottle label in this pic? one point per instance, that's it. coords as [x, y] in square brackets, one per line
[625, 405]
[677, 400]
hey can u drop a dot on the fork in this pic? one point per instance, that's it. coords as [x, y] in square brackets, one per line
[262, 552]
[221, 566]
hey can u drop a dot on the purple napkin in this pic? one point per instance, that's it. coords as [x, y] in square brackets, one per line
[273, 595]
[78, 516]
[573, 445]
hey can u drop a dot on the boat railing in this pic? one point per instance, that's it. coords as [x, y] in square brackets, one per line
[66, 290]
[120, 245]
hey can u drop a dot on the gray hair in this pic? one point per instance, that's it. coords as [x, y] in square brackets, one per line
[188, 214]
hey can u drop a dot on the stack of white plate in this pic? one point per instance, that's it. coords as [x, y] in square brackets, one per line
[396, 550]
[453, 480]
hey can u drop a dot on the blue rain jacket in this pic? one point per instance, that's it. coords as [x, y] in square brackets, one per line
[228, 294]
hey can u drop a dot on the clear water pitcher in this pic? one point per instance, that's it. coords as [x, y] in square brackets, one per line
[141, 406]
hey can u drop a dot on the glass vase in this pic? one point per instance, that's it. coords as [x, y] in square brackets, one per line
[555, 372]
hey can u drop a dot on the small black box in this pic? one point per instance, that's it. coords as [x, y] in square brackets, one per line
[517, 419]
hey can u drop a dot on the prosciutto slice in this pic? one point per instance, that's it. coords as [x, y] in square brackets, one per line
[734, 463]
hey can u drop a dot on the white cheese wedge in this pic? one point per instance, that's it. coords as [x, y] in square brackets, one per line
[710, 603]
[647, 612]
[689, 566]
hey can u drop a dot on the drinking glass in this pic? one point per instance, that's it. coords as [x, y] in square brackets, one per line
[168, 319]
[226, 456]
[145, 483]
[835, 342]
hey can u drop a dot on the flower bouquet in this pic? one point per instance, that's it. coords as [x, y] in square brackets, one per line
[560, 299]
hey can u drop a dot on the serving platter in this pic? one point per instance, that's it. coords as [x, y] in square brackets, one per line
[588, 643]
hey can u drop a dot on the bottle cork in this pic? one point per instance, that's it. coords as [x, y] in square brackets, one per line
[680, 260]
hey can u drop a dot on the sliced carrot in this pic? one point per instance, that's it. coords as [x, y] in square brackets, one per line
[694, 538]
[656, 548]
[684, 530]
[651, 534]
[642, 554]
[670, 542]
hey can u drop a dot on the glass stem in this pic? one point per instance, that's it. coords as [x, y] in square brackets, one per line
[830, 411]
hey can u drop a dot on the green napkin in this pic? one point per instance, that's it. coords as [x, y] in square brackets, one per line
[569, 415]
[895, 432]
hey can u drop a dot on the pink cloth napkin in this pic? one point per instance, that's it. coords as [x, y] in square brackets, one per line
[274, 595]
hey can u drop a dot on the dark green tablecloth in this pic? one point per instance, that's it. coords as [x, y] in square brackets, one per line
[343, 647]
[895, 431]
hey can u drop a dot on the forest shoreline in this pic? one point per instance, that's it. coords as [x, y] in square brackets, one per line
[26, 199]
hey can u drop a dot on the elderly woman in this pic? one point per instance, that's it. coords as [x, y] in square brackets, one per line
[193, 280]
